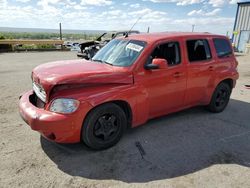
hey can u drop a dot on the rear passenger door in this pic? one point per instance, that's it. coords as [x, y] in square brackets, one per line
[200, 67]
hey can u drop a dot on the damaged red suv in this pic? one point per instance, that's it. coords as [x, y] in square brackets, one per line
[129, 81]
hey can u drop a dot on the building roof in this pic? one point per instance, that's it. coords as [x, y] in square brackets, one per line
[241, 3]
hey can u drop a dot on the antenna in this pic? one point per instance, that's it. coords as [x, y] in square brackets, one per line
[148, 29]
[193, 26]
[132, 27]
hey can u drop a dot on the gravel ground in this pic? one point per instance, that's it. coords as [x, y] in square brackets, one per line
[192, 148]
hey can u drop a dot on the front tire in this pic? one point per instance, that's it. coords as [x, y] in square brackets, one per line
[220, 98]
[104, 126]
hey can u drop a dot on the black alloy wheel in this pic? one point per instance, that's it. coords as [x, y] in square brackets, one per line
[220, 98]
[104, 126]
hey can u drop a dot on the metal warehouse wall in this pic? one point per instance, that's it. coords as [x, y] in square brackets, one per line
[242, 25]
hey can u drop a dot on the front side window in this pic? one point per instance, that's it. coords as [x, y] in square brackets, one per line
[169, 51]
[198, 50]
[222, 47]
[120, 52]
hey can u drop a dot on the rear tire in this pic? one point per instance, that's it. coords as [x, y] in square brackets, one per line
[220, 98]
[104, 126]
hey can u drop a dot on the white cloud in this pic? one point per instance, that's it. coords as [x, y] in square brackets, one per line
[44, 15]
[220, 3]
[219, 21]
[148, 17]
[79, 7]
[137, 5]
[146, 12]
[23, 1]
[69, 2]
[112, 13]
[3, 3]
[233, 1]
[188, 2]
[45, 4]
[73, 15]
[217, 3]
[142, 12]
[219, 25]
[203, 13]
[48, 9]
[178, 2]
[214, 3]
[213, 13]
[194, 12]
[96, 2]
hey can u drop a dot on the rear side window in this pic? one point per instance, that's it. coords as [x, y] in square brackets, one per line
[198, 50]
[222, 47]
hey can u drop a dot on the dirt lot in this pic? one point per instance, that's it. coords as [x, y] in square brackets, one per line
[192, 148]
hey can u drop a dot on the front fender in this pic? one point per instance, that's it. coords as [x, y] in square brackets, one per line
[135, 95]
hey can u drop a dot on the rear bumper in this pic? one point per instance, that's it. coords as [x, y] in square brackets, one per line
[235, 78]
[62, 128]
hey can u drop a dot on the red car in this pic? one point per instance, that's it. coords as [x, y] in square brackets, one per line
[129, 81]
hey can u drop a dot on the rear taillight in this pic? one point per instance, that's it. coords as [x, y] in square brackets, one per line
[237, 63]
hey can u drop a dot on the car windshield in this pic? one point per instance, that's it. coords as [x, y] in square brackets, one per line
[120, 52]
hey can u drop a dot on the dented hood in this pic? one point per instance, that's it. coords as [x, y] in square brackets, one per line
[79, 72]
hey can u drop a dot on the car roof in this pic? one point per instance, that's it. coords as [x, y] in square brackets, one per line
[124, 31]
[152, 37]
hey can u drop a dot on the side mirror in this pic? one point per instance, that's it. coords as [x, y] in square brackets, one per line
[151, 66]
[157, 63]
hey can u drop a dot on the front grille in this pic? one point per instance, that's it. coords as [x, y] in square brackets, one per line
[36, 101]
[39, 91]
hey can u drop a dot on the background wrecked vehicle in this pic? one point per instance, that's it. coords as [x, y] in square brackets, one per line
[89, 48]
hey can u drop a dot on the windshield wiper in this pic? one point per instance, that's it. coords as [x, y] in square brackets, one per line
[107, 63]
[97, 60]
[101, 61]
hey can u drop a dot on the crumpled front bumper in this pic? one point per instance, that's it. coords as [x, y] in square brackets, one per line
[62, 128]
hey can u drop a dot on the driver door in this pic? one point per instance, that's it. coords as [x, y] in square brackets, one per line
[166, 87]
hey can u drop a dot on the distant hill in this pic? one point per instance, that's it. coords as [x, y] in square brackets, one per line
[40, 30]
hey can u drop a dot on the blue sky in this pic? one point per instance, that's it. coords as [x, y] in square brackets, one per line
[216, 16]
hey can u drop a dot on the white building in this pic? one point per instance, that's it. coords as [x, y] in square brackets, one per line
[242, 26]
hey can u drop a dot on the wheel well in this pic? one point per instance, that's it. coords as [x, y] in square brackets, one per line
[123, 105]
[126, 108]
[229, 82]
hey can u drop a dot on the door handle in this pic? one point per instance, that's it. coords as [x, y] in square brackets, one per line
[177, 74]
[211, 68]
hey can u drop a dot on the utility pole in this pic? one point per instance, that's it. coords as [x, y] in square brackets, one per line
[193, 26]
[60, 27]
[148, 29]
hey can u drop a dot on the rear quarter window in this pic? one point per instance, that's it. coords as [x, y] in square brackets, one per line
[223, 47]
